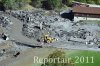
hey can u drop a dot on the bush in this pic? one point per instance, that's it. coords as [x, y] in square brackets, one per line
[37, 3]
[62, 57]
[14, 4]
[9, 4]
[55, 3]
[47, 4]
[89, 1]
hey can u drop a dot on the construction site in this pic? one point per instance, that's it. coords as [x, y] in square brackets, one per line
[22, 30]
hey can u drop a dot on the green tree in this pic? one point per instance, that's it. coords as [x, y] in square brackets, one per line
[89, 1]
[9, 4]
[25, 1]
[37, 3]
[69, 2]
[62, 57]
[97, 1]
[55, 3]
[22, 3]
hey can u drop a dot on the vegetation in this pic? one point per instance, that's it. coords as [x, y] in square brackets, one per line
[55, 3]
[14, 4]
[9, 4]
[51, 4]
[37, 3]
[83, 53]
[89, 1]
[80, 57]
[62, 57]
[80, 54]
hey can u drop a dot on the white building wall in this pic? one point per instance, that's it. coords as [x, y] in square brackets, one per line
[84, 18]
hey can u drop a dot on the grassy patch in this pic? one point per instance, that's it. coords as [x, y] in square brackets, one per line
[80, 53]
[80, 58]
[92, 21]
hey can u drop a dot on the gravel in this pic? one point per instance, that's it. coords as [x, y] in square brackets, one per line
[4, 21]
[36, 24]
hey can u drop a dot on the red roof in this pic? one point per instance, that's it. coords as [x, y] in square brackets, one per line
[86, 10]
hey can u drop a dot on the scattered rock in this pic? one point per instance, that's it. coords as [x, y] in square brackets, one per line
[37, 24]
[4, 21]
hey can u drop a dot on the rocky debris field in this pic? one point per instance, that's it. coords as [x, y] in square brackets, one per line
[5, 25]
[36, 24]
[5, 21]
[29, 26]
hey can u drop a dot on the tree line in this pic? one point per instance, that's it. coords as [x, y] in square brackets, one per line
[51, 4]
[90, 1]
[48, 4]
[13, 4]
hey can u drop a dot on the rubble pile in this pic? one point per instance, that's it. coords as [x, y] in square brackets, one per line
[41, 26]
[4, 21]
[24, 16]
[37, 24]
[81, 33]
[28, 16]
